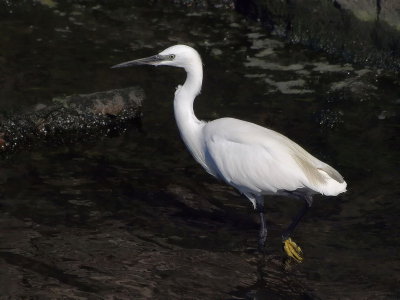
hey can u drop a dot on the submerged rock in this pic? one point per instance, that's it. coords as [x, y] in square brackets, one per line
[131, 256]
[72, 119]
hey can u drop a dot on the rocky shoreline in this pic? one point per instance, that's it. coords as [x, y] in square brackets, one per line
[363, 32]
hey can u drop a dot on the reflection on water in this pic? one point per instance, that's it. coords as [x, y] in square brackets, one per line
[134, 215]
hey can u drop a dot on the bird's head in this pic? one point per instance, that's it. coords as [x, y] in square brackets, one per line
[181, 56]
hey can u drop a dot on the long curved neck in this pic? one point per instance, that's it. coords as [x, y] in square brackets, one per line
[185, 95]
[189, 126]
[194, 78]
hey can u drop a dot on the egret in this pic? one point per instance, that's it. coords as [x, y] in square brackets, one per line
[253, 159]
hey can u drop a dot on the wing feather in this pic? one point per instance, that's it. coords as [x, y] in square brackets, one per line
[257, 160]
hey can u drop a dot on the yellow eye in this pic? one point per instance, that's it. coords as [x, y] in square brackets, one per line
[171, 56]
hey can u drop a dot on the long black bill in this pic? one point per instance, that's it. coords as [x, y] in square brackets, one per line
[152, 60]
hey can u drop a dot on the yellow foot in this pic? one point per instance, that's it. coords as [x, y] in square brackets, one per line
[292, 250]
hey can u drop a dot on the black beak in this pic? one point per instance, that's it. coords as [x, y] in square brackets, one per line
[152, 60]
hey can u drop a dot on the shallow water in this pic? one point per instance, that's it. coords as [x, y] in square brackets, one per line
[135, 217]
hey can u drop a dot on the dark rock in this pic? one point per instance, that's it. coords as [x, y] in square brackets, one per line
[363, 32]
[72, 119]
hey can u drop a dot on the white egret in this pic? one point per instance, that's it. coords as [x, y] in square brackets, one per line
[255, 160]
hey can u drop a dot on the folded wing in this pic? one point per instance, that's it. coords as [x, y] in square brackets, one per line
[257, 160]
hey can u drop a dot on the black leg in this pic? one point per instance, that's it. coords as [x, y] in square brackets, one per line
[263, 227]
[288, 232]
[263, 233]
[289, 246]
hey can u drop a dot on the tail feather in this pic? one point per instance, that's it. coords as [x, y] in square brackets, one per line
[331, 172]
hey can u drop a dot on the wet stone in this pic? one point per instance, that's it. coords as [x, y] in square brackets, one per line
[72, 118]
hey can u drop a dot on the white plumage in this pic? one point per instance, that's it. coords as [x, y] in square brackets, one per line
[259, 161]
[255, 160]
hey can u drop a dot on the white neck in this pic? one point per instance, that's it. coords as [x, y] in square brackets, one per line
[189, 126]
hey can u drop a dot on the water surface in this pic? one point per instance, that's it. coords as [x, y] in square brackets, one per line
[134, 216]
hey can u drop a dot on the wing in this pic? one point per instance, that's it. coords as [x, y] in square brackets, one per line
[255, 159]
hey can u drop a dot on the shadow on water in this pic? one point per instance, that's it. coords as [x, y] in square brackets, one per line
[134, 217]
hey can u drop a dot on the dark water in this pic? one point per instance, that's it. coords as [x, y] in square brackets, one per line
[134, 217]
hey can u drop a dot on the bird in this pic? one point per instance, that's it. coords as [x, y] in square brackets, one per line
[253, 159]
